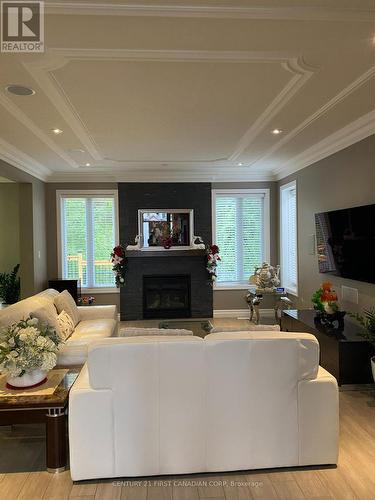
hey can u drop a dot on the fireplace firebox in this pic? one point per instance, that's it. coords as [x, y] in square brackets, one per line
[166, 296]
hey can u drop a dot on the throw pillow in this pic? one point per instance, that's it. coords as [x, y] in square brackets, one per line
[47, 315]
[66, 324]
[65, 302]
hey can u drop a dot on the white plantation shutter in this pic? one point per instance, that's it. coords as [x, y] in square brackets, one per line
[289, 257]
[240, 233]
[88, 235]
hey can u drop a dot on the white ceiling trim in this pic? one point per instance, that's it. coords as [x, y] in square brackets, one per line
[302, 74]
[24, 162]
[42, 71]
[277, 13]
[159, 55]
[17, 113]
[347, 91]
[229, 175]
[343, 138]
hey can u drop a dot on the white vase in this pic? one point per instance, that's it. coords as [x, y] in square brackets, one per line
[28, 379]
[373, 367]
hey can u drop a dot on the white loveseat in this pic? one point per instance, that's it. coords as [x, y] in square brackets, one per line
[95, 322]
[147, 406]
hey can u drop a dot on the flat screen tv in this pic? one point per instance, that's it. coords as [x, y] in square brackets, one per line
[346, 243]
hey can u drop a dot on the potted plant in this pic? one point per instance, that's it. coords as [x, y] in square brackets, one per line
[28, 350]
[10, 286]
[367, 321]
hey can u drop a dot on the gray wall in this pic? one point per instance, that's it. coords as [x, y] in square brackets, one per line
[9, 226]
[32, 229]
[343, 180]
[234, 299]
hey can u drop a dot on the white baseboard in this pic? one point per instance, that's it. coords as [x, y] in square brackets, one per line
[235, 313]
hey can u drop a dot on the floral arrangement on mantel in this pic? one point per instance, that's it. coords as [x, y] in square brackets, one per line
[118, 264]
[213, 258]
[28, 350]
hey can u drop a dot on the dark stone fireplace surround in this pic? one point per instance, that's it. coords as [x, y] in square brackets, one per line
[135, 196]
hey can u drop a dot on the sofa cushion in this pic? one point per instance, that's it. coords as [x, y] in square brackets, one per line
[74, 351]
[95, 328]
[65, 302]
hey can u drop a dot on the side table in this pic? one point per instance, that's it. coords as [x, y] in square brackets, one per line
[48, 409]
[254, 299]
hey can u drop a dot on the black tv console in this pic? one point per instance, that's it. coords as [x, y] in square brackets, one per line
[344, 353]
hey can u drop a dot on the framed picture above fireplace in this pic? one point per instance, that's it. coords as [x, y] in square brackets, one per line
[159, 229]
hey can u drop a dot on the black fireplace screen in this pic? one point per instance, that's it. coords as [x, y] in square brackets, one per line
[166, 296]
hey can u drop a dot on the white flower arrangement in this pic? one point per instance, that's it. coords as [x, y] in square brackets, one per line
[26, 346]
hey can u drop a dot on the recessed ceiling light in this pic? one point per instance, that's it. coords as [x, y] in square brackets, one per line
[20, 90]
[240, 164]
[87, 164]
[277, 131]
[57, 131]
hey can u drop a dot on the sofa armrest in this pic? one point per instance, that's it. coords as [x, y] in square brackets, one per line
[318, 419]
[91, 432]
[97, 312]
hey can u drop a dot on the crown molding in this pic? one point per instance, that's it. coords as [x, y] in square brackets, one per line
[41, 71]
[302, 73]
[206, 11]
[234, 174]
[19, 115]
[60, 56]
[341, 139]
[343, 94]
[22, 161]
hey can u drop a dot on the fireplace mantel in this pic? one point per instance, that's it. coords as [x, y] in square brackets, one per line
[165, 253]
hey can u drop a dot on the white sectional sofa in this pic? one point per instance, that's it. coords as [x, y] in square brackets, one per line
[147, 406]
[96, 322]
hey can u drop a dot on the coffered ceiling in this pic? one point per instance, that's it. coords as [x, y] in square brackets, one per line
[190, 91]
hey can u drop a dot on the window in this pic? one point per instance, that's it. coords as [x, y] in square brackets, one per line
[88, 233]
[241, 230]
[288, 234]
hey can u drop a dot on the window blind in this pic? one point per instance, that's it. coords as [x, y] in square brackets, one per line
[289, 257]
[88, 237]
[239, 223]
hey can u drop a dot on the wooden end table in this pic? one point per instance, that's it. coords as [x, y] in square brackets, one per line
[47, 409]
